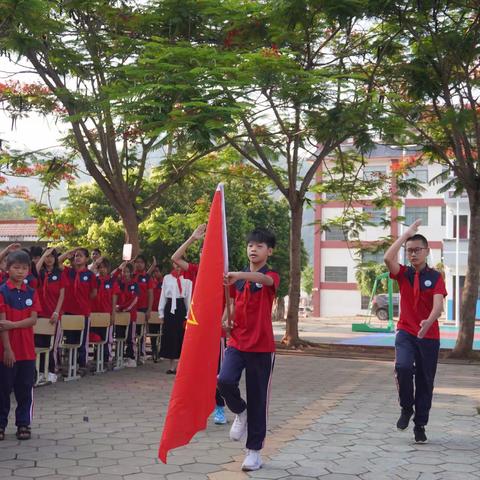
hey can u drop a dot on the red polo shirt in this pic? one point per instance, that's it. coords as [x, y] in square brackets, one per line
[128, 292]
[49, 286]
[145, 284]
[252, 325]
[18, 304]
[80, 284]
[431, 283]
[191, 273]
[107, 287]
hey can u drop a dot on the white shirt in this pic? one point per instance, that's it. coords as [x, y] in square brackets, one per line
[170, 290]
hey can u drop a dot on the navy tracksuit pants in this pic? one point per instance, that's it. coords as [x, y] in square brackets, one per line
[19, 379]
[416, 358]
[258, 368]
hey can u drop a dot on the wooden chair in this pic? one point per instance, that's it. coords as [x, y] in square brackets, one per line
[140, 335]
[122, 319]
[43, 327]
[154, 333]
[100, 320]
[75, 323]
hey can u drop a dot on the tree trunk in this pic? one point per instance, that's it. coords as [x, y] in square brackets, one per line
[130, 224]
[279, 311]
[464, 345]
[291, 337]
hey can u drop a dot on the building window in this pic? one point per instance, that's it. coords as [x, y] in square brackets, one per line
[376, 215]
[374, 172]
[420, 173]
[365, 302]
[372, 257]
[412, 213]
[462, 227]
[333, 196]
[336, 274]
[443, 220]
[335, 233]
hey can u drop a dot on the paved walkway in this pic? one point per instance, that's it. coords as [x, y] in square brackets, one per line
[330, 419]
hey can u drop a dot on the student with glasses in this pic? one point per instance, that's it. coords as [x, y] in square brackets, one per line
[417, 342]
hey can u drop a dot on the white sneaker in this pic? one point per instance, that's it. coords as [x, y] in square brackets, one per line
[239, 426]
[130, 363]
[52, 377]
[253, 461]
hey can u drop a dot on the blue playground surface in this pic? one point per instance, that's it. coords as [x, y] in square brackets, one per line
[448, 336]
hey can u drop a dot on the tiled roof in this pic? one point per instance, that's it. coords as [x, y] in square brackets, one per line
[15, 229]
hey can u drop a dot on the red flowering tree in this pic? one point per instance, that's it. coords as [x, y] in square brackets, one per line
[79, 51]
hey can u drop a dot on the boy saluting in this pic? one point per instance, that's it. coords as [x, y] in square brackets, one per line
[417, 342]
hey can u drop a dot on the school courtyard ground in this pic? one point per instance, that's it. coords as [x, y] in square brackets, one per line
[331, 419]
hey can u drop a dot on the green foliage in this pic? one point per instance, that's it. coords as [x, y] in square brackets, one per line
[307, 279]
[365, 275]
[88, 219]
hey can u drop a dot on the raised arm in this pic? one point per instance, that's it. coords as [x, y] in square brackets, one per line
[197, 234]
[10, 248]
[41, 260]
[391, 255]
[67, 255]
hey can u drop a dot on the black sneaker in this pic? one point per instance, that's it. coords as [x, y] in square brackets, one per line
[419, 433]
[404, 419]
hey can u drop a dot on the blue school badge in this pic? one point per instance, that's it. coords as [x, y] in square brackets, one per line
[85, 278]
[107, 286]
[428, 283]
[54, 277]
[28, 302]
[259, 285]
[25, 281]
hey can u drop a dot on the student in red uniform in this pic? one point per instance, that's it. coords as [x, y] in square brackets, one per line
[190, 270]
[51, 293]
[127, 302]
[145, 297]
[417, 342]
[107, 288]
[251, 346]
[3, 260]
[19, 307]
[80, 291]
[157, 281]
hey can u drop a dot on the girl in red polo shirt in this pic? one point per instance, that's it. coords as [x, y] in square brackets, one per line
[107, 288]
[80, 291]
[51, 292]
[145, 297]
[127, 302]
[157, 281]
[417, 342]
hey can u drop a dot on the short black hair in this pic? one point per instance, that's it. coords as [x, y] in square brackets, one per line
[84, 251]
[262, 235]
[97, 250]
[36, 251]
[141, 257]
[417, 236]
[55, 256]
[19, 256]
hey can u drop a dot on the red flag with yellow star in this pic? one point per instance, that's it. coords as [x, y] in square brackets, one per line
[193, 395]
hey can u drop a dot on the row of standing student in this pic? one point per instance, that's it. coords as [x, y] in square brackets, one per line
[82, 288]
